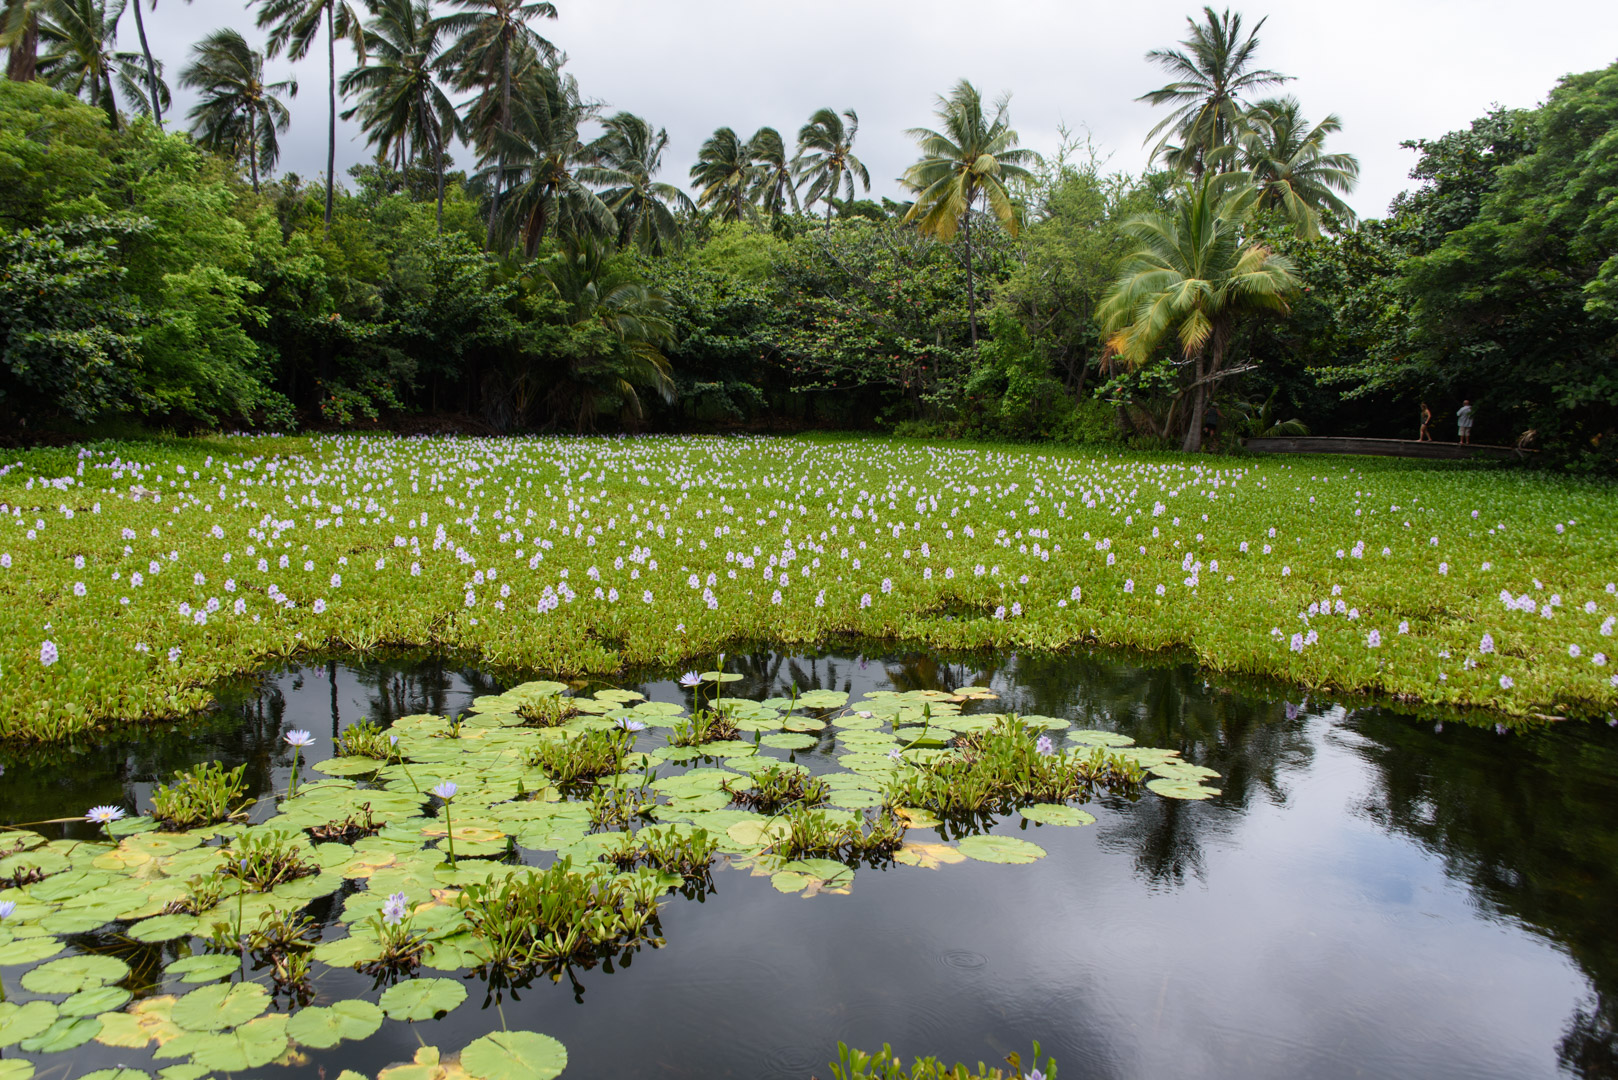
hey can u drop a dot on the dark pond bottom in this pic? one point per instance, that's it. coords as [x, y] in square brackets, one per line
[1372, 895]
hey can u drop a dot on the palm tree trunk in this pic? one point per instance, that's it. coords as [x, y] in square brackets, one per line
[24, 58]
[438, 154]
[828, 218]
[151, 68]
[500, 152]
[252, 147]
[971, 290]
[331, 126]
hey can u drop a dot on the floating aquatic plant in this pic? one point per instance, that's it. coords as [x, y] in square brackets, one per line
[203, 795]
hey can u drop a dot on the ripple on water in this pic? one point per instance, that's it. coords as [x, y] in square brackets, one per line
[965, 959]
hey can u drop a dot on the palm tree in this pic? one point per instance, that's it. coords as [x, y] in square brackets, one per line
[238, 114]
[1193, 276]
[1287, 160]
[403, 109]
[826, 158]
[1212, 76]
[79, 56]
[971, 158]
[293, 25]
[545, 158]
[152, 83]
[726, 174]
[625, 159]
[773, 183]
[493, 41]
[19, 34]
[610, 368]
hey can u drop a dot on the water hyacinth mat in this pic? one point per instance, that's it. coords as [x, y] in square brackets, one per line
[454, 862]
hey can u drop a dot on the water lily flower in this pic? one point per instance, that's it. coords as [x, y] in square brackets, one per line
[103, 815]
[445, 790]
[626, 724]
[690, 680]
[7, 907]
[299, 738]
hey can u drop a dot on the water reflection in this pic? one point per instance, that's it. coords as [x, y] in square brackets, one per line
[1368, 894]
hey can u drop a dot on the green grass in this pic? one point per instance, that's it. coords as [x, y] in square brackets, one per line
[343, 506]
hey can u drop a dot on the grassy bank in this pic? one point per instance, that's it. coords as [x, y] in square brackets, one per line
[132, 575]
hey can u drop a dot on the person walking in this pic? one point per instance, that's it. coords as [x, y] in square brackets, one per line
[1463, 421]
[1426, 418]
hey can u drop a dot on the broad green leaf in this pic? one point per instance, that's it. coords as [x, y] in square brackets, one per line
[95, 1001]
[1056, 814]
[789, 741]
[253, 1045]
[323, 1028]
[422, 999]
[1180, 789]
[514, 1055]
[74, 973]
[19, 1022]
[164, 928]
[215, 1008]
[66, 1033]
[16, 1069]
[205, 967]
[1000, 849]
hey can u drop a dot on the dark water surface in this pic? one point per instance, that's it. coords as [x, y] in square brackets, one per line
[1372, 896]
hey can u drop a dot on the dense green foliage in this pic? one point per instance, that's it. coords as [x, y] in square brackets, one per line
[173, 279]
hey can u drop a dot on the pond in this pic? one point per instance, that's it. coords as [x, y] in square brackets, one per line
[1370, 894]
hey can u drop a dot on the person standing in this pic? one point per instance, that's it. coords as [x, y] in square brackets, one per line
[1426, 418]
[1463, 421]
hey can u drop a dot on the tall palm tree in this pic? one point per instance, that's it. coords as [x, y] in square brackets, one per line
[602, 293]
[403, 109]
[726, 175]
[19, 35]
[79, 57]
[237, 114]
[1194, 277]
[1212, 75]
[826, 158]
[625, 159]
[1288, 161]
[972, 158]
[545, 162]
[293, 25]
[773, 183]
[153, 84]
[492, 42]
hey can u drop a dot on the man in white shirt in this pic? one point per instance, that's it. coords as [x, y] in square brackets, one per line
[1463, 420]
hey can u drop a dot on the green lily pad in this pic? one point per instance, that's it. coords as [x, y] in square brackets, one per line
[164, 928]
[66, 1033]
[19, 1022]
[1090, 737]
[115, 1074]
[29, 950]
[197, 1072]
[95, 1001]
[215, 1008]
[514, 1055]
[17, 1069]
[251, 1046]
[789, 741]
[788, 882]
[323, 1028]
[421, 999]
[1180, 789]
[1056, 814]
[74, 973]
[206, 967]
[1000, 849]
[77, 922]
[720, 676]
[823, 699]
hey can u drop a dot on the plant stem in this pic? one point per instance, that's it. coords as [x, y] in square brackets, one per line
[449, 833]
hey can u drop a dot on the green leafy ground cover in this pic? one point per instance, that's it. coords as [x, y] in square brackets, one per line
[134, 575]
[467, 856]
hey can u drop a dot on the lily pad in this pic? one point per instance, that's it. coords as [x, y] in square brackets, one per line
[789, 741]
[1056, 814]
[253, 1045]
[164, 928]
[16, 1069]
[422, 999]
[514, 1055]
[215, 1008]
[206, 967]
[323, 1028]
[95, 1001]
[1180, 789]
[115, 1074]
[74, 973]
[26, 1021]
[65, 1034]
[1000, 849]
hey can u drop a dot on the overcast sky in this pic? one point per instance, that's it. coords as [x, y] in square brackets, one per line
[1391, 69]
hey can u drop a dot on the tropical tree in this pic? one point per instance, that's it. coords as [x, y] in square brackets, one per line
[1212, 77]
[618, 330]
[726, 175]
[19, 35]
[826, 159]
[546, 163]
[1195, 277]
[624, 161]
[971, 159]
[401, 106]
[156, 92]
[237, 114]
[774, 185]
[1287, 160]
[293, 25]
[79, 55]
[493, 44]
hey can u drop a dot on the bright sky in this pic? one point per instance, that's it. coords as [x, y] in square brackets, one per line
[1391, 69]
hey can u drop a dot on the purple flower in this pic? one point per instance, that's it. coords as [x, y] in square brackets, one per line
[1487, 644]
[1506, 683]
[103, 815]
[394, 909]
[7, 907]
[626, 724]
[445, 790]
[690, 680]
[48, 654]
[895, 754]
[1044, 747]
[299, 738]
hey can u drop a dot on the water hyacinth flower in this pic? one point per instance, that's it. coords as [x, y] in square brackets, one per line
[1044, 747]
[394, 909]
[1506, 682]
[1374, 639]
[48, 654]
[1486, 645]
